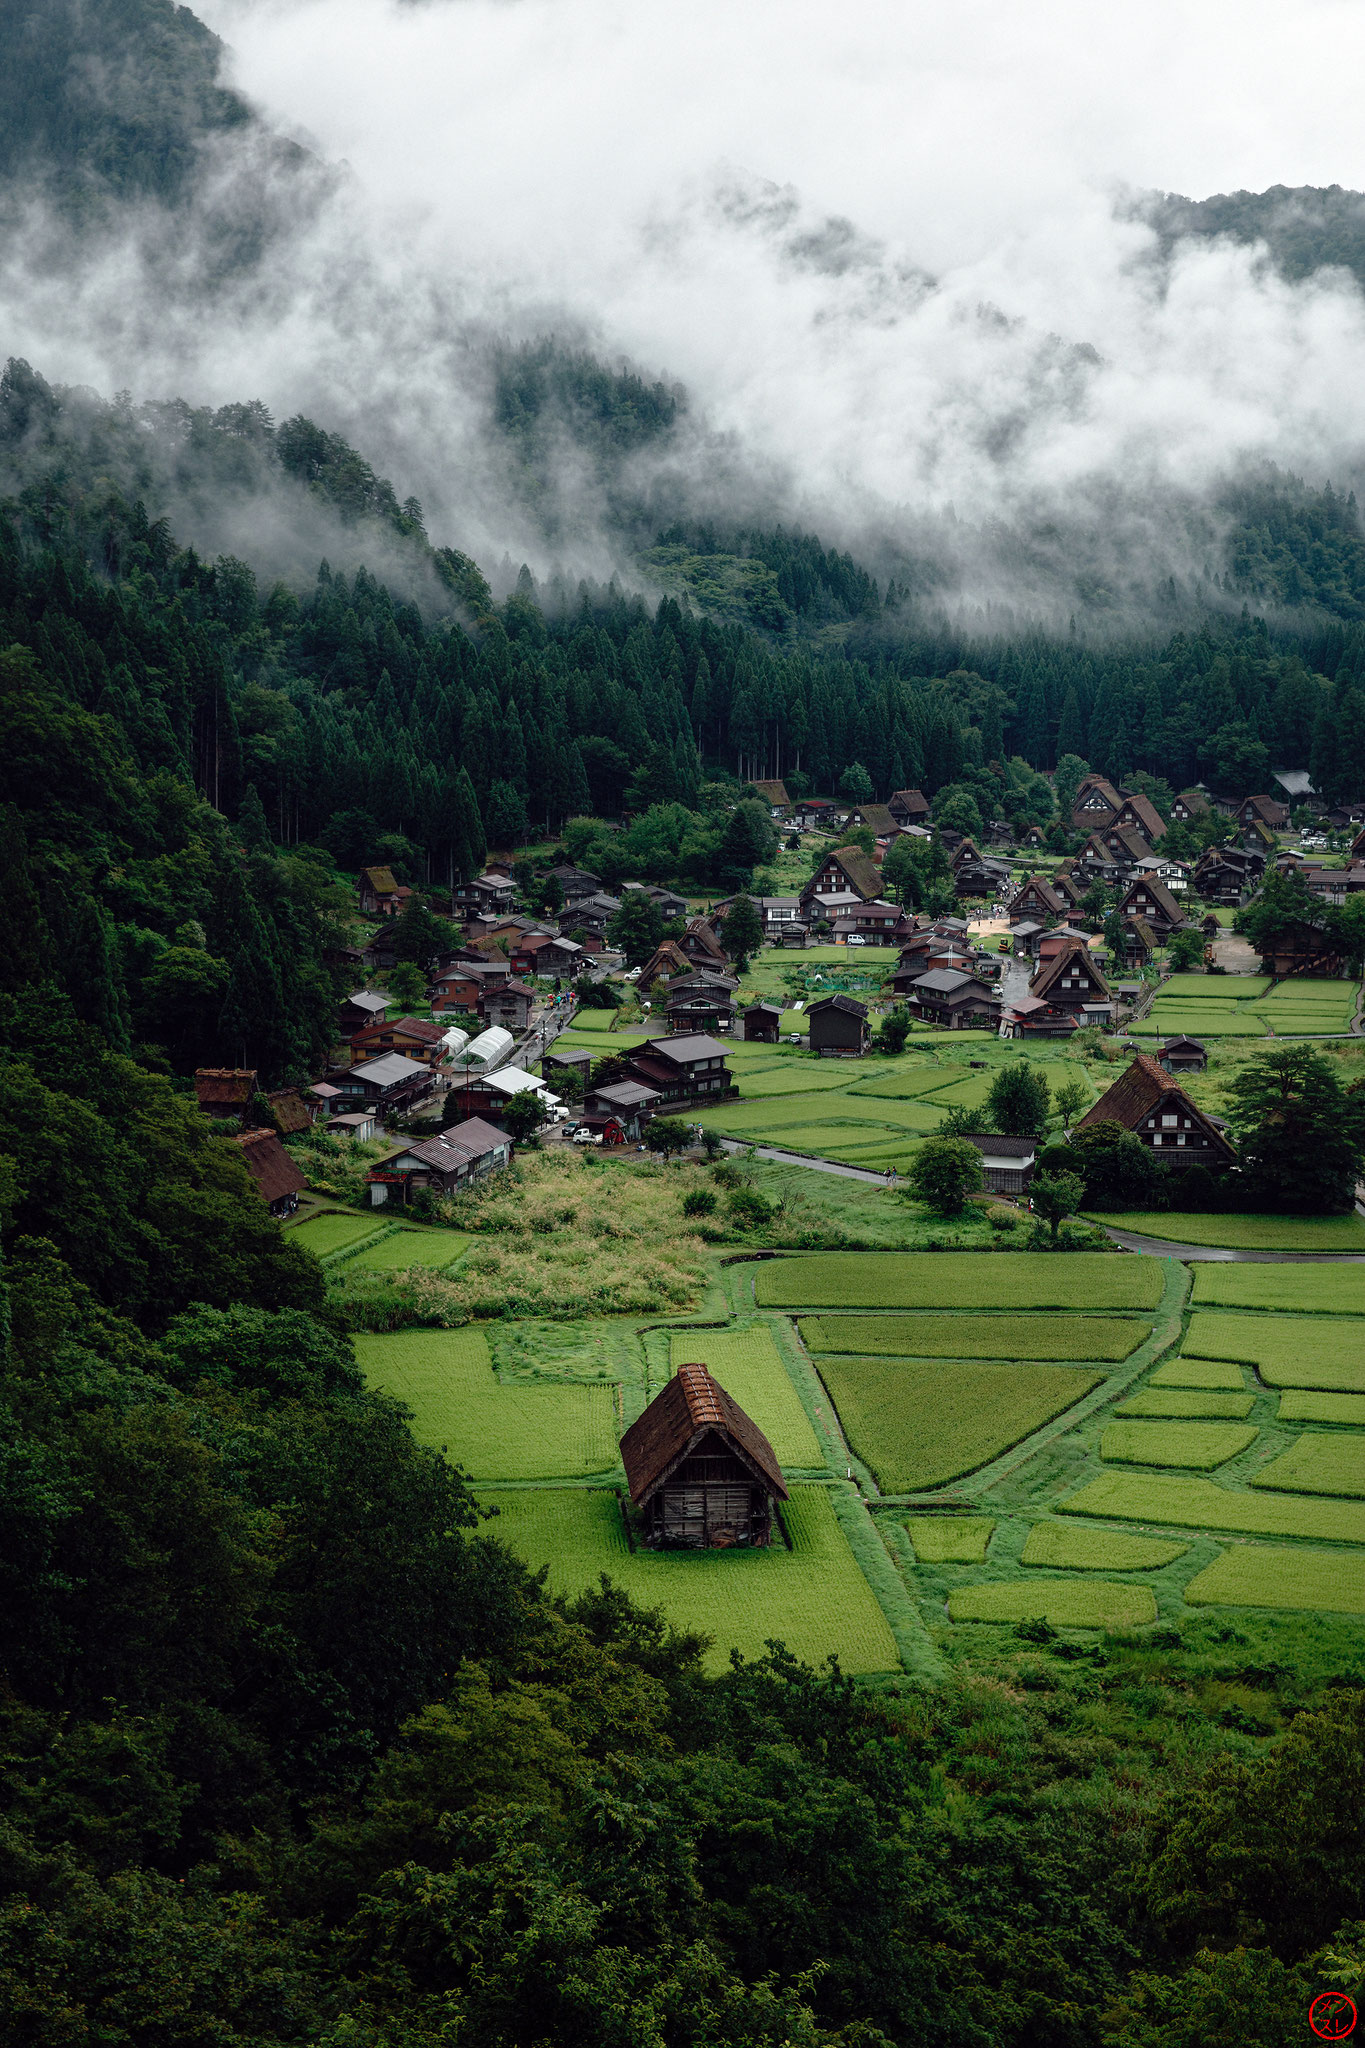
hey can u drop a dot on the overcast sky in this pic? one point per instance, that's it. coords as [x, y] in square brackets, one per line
[748, 197]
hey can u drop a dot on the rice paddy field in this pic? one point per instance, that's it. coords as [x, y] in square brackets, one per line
[332, 1232]
[1203, 1504]
[1319, 1464]
[1176, 1402]
[1335, 1290]
[813, 1597]
[960, 1280]
[917, 1424]
[1065, 1548]
[1032, 1335]
[1250, 1233]
[492, 1429]
[1198, 1446]
[1249, 1006]
[1287, 1351]
[747, 1364]
[1259, 1575]
[950, 1539]
[435, 1249]
[1062, 1602]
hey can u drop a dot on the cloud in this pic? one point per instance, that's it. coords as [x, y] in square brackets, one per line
[885, 251]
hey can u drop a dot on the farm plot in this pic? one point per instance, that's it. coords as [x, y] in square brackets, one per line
[960, 1280]
[976, 1336]
[1173, 1402]
[1301, 1406]
[1197, 1372]
[949, 1539]
[1202, 1504]
[747, 1364]
[918, 1425]
[1203, 1020]
[901, 1087]
[1197, 1446]
[813, 1598]
[1257, 1575]
[1319, 1464]
[323, 1234]
[493, 1431]
[431, 1248]
[1065, 1603]
[1068, 1548]
[1339, 1289]
[1215, 988]
[1287, 1351]
[1250, 1233]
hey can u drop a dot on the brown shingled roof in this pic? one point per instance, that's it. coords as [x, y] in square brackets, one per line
[270, 1166]
[690, 1407]
[1043, 981]
[1133, 1096]
[224, 1086]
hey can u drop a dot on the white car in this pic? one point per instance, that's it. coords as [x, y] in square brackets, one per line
[633, 974]
[587, 1137]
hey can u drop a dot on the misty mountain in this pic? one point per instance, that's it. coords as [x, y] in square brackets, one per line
[1306, 228]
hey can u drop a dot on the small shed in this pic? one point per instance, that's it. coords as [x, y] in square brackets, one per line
[1006, 1163]
[838, 1026]
[701, 1473]
[763, 1021]
[223, 1093]
[1182, 1055]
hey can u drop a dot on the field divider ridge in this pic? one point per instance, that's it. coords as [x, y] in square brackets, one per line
[1166, 1333]
[913, 1641]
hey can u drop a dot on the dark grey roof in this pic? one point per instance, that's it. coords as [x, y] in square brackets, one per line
[847, 1004]
[943, 981]
[1007, 1148]
[625, 1094]
[691, 1045]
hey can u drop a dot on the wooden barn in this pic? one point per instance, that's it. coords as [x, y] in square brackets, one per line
[701, 1474]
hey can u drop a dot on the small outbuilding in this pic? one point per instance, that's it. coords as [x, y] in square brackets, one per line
[701, 1473]
[838, 1026]
[278, 1180]
[1182, 1055]
[763, 1021]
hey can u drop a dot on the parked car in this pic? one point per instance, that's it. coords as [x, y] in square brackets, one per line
[583, 1136]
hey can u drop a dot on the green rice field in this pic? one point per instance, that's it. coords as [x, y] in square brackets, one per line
[322, 1234]
[1257, 1575]
[494, 1431]
[1249, 1233]
[747, 1364]
[1176, 1402]
[1299, 1405]
[1339, 1289]
[1197, 1446]
[1197, 1372]
[975, 1336]
[959, 1280]
[917, 1425]
[1202, 1504]
[950, 1539]
[1221, 988]
[432, 1248]
[1065, 1547]
[1319, 1464]
[1204, 1020]
[813, 1598]
[1287, 1351]
[1065, 1603]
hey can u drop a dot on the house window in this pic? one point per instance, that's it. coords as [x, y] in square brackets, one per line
[1168, 1123]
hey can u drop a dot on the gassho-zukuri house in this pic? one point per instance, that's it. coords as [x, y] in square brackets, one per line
[701, 1473]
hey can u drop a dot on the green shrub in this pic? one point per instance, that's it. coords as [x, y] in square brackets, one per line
[1004, 1219]
[699, 1202]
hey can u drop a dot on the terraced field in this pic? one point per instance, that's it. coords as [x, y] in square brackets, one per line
[1062, 1602]
[916, 1425]
[1064, 1547]
[1249, 1233]
[1319, 1464]
[747, 1364]
[1257, 1575]
[959, 1279]
[1337, 1289]
[814, 1598]
[435, 1249]
[1247, 1006]
[330, 1233]
[1197, 1446]
[950, 1539]
[1287, 1351]
[491, 1430]
[975, 1336]
[1203, 1504]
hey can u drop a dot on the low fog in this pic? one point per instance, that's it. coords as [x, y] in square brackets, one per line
[888, 252]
